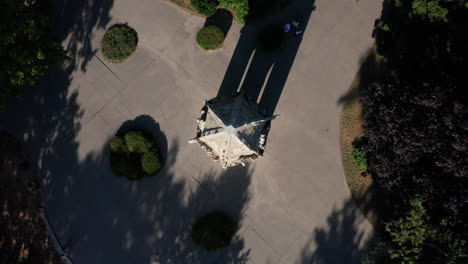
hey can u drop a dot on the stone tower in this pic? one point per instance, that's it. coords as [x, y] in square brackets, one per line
[232, 131]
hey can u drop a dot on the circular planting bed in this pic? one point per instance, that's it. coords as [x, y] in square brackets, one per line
[213, 231]
[134, 155]
[119, 43]
[210, 37]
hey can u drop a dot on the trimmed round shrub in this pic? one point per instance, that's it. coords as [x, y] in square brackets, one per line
[213, 231]
[118, 43]
[134, 156]
[210, 37]
[205, 7]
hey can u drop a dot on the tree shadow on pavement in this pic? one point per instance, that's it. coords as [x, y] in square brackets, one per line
[75, 23]
[105, 218]
[342, 241]
[253, 70]
[373, 201]
[51, 113]
[371, 69]
[48, 119]
[108, 219]
[22, 230]
[222, 19]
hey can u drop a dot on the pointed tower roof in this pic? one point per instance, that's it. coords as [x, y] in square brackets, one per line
[232, 130]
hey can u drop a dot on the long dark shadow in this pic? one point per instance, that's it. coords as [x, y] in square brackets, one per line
[253, 69]
[341, 241]
[75, 22]
[108, 219]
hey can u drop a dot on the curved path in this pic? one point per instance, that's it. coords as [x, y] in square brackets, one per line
[293, 204]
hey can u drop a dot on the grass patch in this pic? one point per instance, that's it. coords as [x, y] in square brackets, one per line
[369, 198]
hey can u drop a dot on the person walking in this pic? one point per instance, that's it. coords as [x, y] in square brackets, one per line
[66, 251]
[297, 30]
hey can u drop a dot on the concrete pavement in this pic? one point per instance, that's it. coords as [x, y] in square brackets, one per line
[293, 204]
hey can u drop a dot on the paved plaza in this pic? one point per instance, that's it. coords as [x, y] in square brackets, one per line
[293, 204]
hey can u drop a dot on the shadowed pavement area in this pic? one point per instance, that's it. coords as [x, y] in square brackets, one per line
[286, 202]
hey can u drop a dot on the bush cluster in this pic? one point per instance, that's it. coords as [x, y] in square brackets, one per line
[118, 43]
[240, 7]
[134, 156]
[205, 7]
[213, 231]
[208, 7]
[210, 37]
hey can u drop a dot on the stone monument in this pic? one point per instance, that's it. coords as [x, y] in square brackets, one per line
[232, 130]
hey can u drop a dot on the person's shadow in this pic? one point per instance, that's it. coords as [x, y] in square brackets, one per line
[263, 58]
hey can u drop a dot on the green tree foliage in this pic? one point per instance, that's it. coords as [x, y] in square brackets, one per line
[412, 239]
[417, 142]
[434, 11]
[27, 48]
[240, 7]
[205, 7]
[415, 116]
[425, 37]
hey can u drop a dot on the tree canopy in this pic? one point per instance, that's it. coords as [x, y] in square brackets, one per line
[414, 239]
[27, 48]
[425, 36]
[417, 141]
[416, 117]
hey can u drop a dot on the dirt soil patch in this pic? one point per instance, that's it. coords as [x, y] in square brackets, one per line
[370, 199]
[23, 234]
[185, 4]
